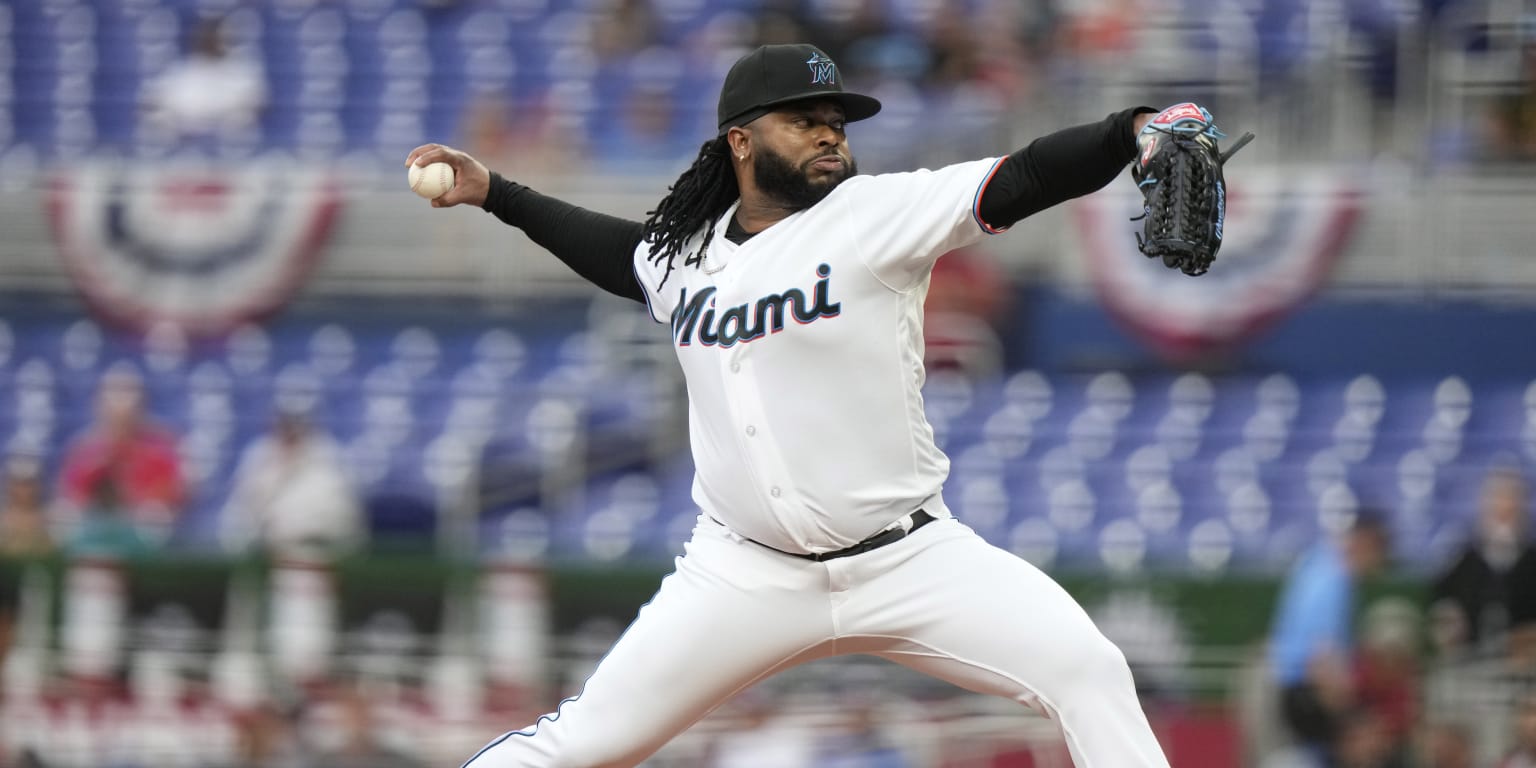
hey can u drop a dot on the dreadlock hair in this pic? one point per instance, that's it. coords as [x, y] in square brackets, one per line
[698, 197]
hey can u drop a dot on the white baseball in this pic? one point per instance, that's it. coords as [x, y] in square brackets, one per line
[432, 180]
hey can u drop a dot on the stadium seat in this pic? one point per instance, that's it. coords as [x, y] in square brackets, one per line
[1180, 433]
[1122, 546]
[209, 403]
[1092, 434]
[500, 353]
[1354, 436]
[608, 535]
[1009, 431]
[524, 535]
[1234, 468]
[387, 414]
[1029, 391]
[1266, 434]
[415, 352]
[1211, 547]
[1159, 508]
[248, 350]
[1192, 396]
[1279, 396]
[1071, 506]
[332, 351]
[1249, 510]
[34, 414]
[1035, 539]
[983, 504]
[1110, 396]
[298, 388]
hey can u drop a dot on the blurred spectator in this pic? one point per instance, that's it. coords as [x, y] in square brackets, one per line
[1364, 743]
[264, 738]
[1523, 753]
[1099, 28]
[521, 140]
[1386, 673]
[1491, 587]
[106, 530]
[123, 460]
[291, 495]
[1511, 123]
[1448, 745]
[861, 744]
[208, 95]
[644, 136]
[841, 27]
[762, 738]
[778, 27]
[24, 519]
[1311, 641]
[627, 28]
[1376, 30]
[359, 744]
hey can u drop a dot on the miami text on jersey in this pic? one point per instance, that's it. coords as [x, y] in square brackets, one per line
[753, 320]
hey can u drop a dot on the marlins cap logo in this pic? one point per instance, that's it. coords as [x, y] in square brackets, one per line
[823, 71]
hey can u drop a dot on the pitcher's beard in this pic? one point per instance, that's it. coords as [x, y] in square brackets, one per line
[780, 180]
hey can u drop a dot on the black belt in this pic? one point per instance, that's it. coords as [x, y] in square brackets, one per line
[895, 532]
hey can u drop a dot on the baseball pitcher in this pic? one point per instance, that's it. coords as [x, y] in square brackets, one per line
[793, 290]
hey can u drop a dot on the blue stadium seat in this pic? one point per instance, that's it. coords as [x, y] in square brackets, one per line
[525, 534]
[1111, 397]
[416, 352]
[982, 503]
[1092, 434]
[332, 351]
[1266, 434]
[1072, 507]
[1159, 508]
[1009, 431]
[80, 352]
[1211, 547]
[1036, 540]
[209, 401]
[32, 415]
[248, 350]
[1122, 546]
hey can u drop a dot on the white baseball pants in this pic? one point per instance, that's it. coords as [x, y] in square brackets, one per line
[941, 601]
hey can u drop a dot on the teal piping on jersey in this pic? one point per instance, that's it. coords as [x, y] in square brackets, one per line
[976, 203]
[529, 732]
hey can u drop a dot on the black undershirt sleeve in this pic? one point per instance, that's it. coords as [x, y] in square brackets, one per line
[1058, 167]
[599, 247]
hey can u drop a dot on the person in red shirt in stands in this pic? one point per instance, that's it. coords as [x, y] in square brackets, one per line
[125, 448]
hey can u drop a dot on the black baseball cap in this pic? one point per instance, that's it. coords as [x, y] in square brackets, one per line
[774, 75]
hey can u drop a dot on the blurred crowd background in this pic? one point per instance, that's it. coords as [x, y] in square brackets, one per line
[295, 471]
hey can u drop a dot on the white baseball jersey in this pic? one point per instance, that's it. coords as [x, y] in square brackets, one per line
[833, 292]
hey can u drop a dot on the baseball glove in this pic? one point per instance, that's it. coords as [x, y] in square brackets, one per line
[1178, 172]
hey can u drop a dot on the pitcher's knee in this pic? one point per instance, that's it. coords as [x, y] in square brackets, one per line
[1099, 668]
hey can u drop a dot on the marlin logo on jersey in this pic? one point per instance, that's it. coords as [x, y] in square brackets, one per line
[753, 320]
[823, 71]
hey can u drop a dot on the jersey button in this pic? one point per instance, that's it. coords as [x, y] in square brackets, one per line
[774, 492]
[735, 367]
[751, 430]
